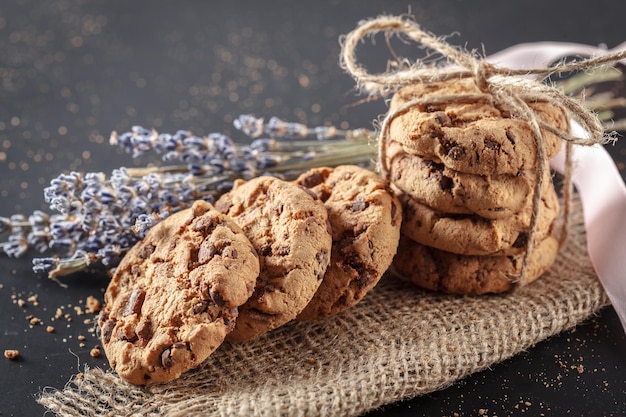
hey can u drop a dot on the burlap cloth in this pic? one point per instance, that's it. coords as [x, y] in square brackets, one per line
[399, 342]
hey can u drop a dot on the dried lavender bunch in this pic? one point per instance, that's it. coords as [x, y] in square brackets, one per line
[98, 218]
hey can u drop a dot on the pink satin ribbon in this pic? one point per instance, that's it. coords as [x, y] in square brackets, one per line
[597, 179]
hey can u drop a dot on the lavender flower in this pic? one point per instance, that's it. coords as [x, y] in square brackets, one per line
[144, 223]
[25, 233]
[249, 125]
[15, 246]
[278, 128]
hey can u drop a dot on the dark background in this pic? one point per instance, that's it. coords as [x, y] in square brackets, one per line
[72, 71]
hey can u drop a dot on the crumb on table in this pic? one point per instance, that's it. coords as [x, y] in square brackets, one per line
[93, 304]
[11, 353]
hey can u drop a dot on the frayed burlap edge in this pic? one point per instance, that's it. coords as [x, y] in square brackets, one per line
[399, 342]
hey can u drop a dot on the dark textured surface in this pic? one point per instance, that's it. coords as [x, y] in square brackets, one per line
[72, 71]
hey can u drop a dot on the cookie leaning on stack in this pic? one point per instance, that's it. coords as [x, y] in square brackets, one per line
[365, 218]
[465, 173]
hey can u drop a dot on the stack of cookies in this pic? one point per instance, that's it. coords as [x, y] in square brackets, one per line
[465, 174]
[267, 252]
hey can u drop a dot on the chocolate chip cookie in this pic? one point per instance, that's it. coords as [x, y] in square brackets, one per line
[470, 234]
[442, 271]
[288, 226]
[450, 191]
[475, 137]
[365, 218]
[175, 295]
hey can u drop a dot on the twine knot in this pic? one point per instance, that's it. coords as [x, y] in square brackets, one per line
[481, 71]
[511, 89]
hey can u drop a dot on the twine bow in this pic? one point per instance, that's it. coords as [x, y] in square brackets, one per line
[509, 88]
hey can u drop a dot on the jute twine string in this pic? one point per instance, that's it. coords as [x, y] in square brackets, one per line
[511, 89]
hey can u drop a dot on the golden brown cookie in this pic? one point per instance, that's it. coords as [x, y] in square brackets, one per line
[476, 138]
[470, 234]
[175, 294]
[365, 218]
[454, 192]
[452, 273]
[288, 226]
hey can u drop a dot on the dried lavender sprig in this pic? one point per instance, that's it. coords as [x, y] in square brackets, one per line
[216, 152]
[254, 127]
[182, 145]
[285, 165]
[209, 155]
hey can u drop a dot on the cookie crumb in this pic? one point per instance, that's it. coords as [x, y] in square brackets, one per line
[21, 303]
[95, 352]
[93, 304]
[11, 353]
[34, 300]
[50, 329]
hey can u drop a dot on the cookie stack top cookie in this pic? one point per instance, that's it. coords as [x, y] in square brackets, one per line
[475, 137]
